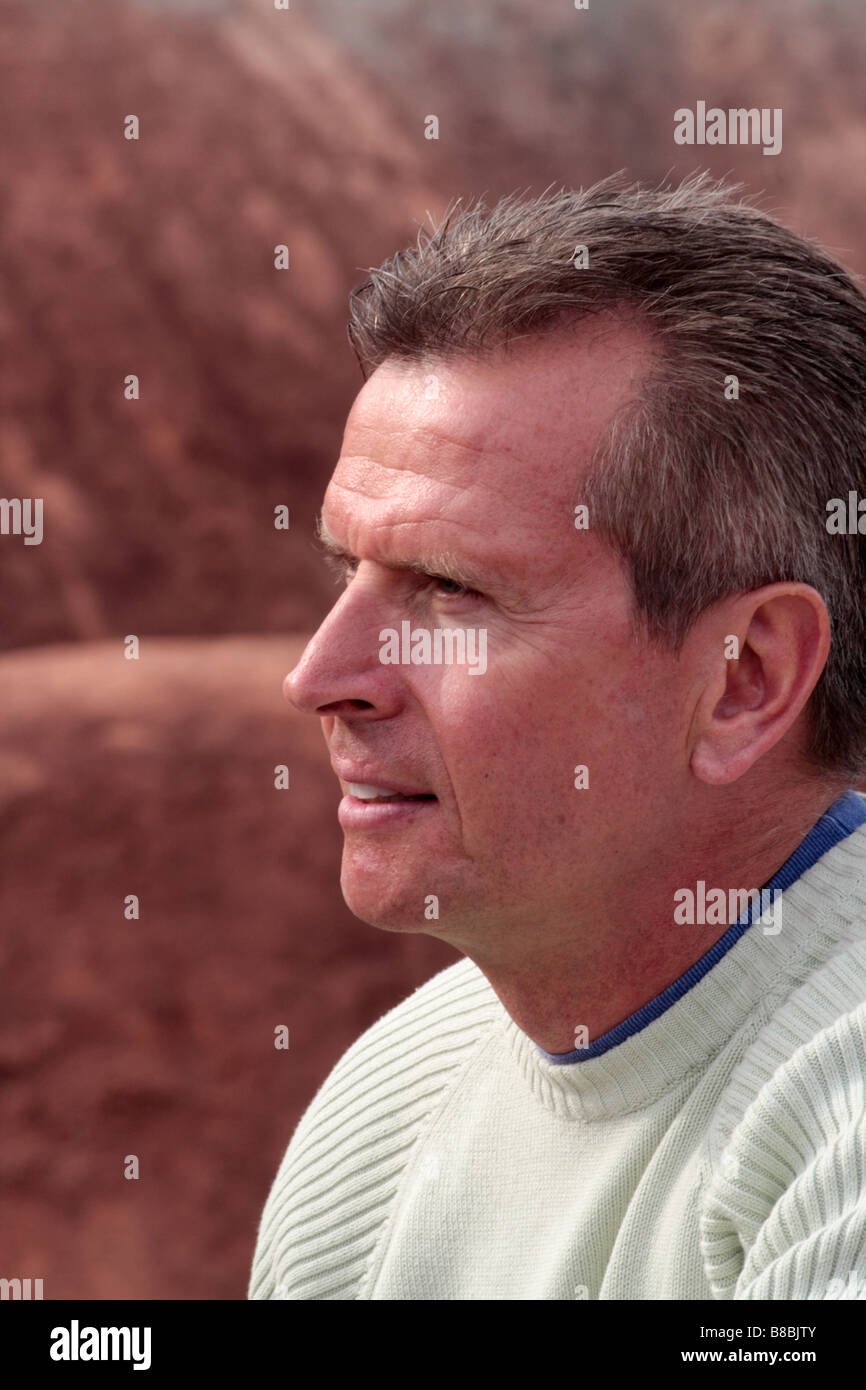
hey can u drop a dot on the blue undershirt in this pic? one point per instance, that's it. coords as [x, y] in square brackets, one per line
[839, 820]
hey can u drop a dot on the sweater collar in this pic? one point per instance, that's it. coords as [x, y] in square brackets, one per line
[750, 967]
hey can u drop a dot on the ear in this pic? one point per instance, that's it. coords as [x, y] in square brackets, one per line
[762, 654]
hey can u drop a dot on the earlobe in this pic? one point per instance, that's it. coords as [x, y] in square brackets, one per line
[713, 728]
[718, 763]
[721, 752]
[783, 647]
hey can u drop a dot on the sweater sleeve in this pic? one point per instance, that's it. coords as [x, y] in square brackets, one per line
[785, 1213]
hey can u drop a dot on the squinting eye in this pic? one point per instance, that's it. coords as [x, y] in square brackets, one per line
[451, 588]
[344, 570]
[455, 590]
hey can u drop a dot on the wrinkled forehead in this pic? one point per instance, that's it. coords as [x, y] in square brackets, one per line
[510, 434]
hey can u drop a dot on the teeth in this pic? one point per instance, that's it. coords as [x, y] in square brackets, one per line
[364, 792]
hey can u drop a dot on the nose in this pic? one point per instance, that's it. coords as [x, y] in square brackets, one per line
[339, 672]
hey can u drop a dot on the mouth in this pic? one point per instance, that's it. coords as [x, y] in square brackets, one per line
[369, 806]
[364, 791]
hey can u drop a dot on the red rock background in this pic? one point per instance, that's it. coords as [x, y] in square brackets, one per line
[155, 1037]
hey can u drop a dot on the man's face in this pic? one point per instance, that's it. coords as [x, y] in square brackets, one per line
[482, 463]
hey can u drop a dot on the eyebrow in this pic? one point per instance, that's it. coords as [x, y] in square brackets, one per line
[443, 564]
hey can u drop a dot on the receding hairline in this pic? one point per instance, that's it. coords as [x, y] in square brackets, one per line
[575, 326]
[636, 357]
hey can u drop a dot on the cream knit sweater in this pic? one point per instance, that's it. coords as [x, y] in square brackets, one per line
[718, 1153]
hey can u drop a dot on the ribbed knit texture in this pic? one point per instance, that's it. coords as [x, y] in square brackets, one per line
[720, 1152]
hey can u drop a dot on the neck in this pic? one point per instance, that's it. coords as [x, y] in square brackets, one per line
[562, 978]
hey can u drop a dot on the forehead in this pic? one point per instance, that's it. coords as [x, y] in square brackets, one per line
[496, 445]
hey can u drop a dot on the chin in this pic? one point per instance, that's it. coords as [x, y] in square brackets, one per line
[385, 890]
[395, 914]
[408, 894]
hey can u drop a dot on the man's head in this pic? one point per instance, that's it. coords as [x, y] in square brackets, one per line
[509, 382]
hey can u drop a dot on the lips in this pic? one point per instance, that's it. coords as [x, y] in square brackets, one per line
[365, 791]
[366, 783]
[374, 803]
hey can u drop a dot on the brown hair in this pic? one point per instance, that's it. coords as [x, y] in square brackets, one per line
[702, 496]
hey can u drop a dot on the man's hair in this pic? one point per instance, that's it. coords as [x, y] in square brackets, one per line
[701, 495]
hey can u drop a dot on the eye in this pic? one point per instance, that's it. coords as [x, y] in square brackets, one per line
[344, 569]
[451, 589]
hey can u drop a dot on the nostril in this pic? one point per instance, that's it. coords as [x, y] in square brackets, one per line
[337, 706]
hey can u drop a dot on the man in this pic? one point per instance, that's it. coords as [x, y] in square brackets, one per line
[609, 430]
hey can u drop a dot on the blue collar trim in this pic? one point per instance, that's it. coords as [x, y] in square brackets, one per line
[843, 817]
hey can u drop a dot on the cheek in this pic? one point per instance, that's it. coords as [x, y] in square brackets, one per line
[477, 717]
[510, 750]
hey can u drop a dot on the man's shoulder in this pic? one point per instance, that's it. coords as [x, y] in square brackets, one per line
[342, 1168]
[786, 1148]
[817, 1027]
[427, 1034]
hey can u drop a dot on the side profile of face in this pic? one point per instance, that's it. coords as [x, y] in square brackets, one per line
[453, 505]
